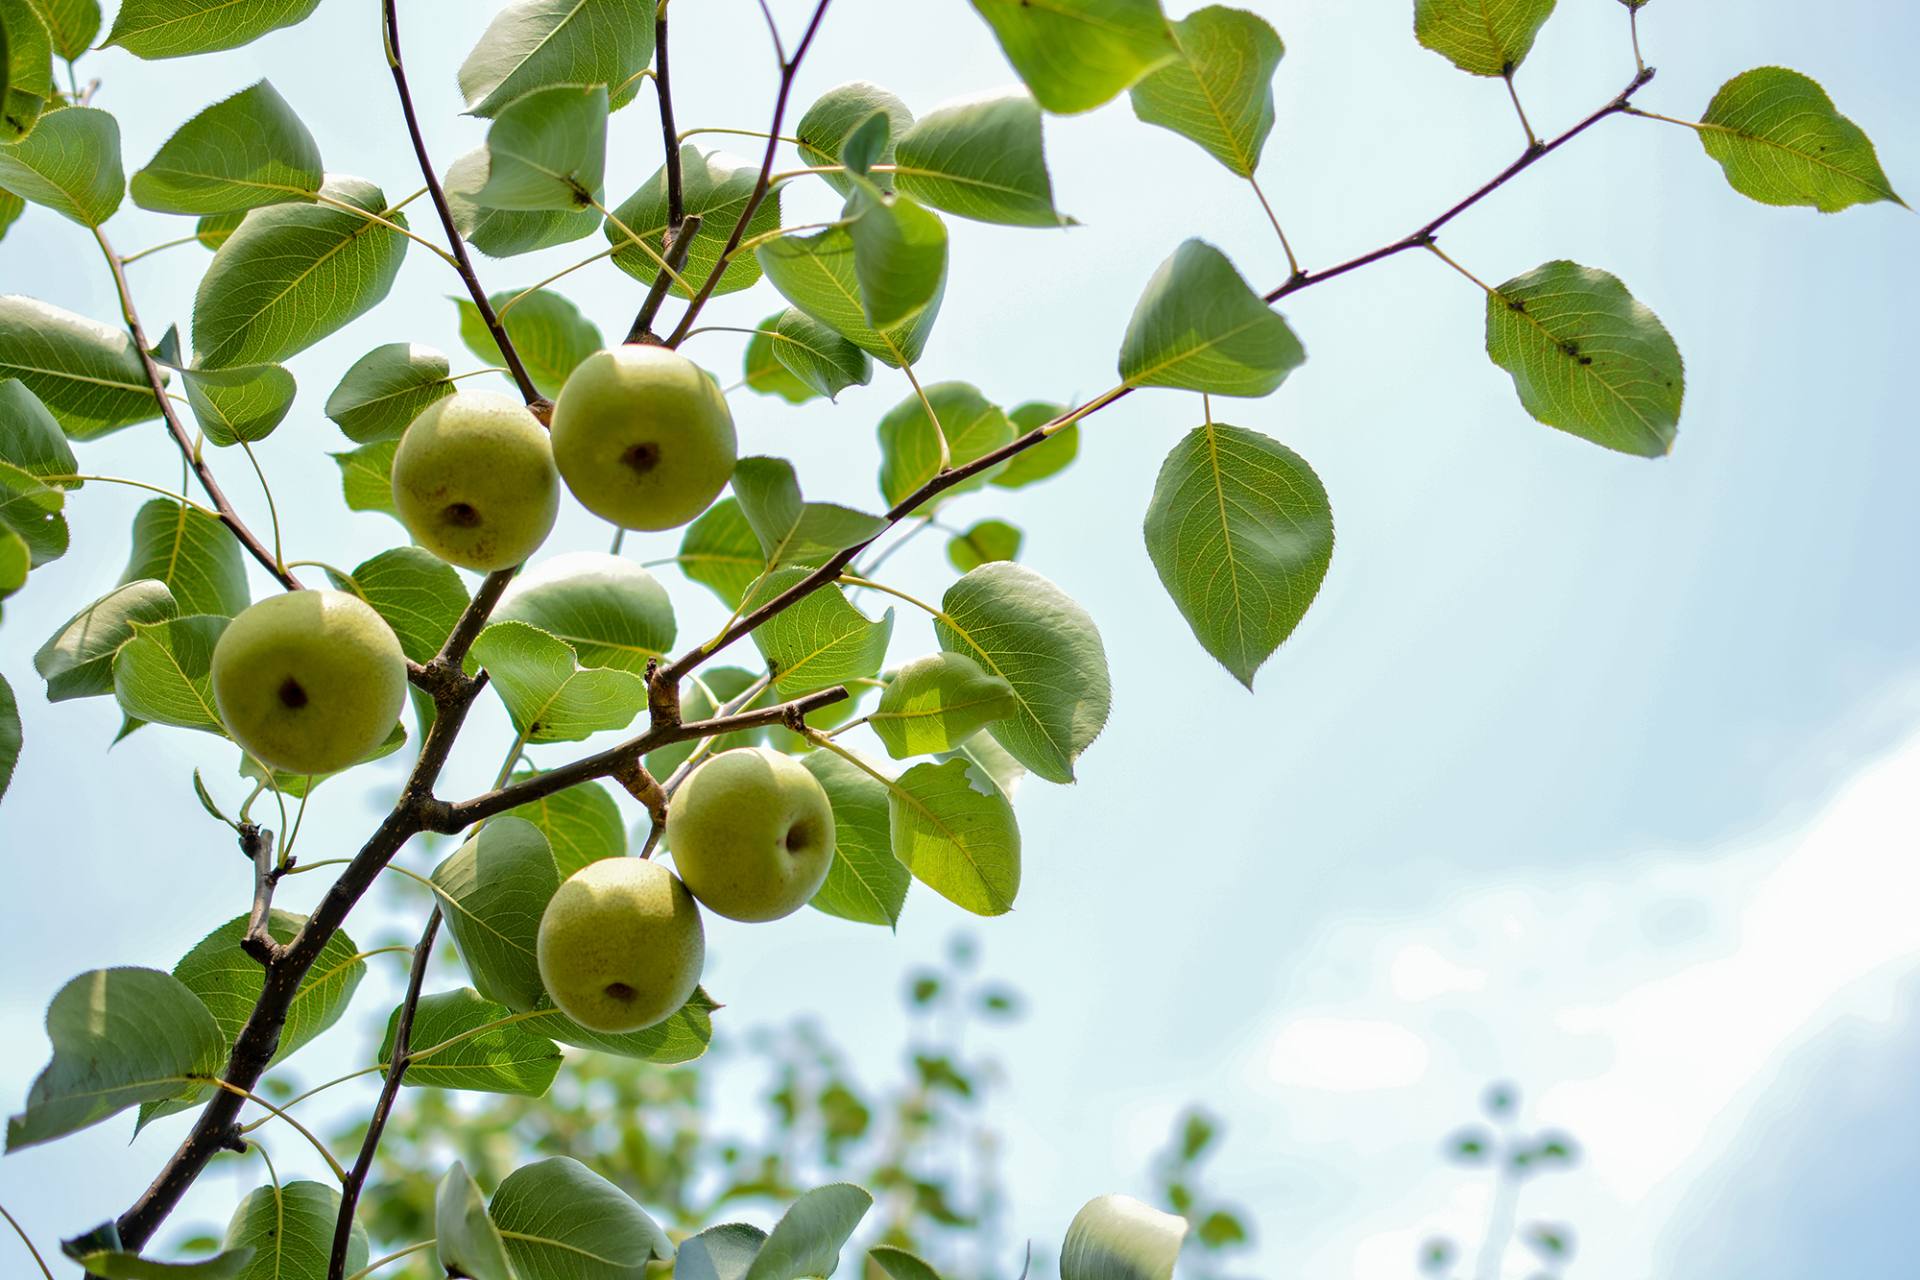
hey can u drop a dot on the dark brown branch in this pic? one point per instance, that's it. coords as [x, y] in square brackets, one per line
[455, 242]
[679, 243]
[156, 380]
[837, 563]
[789, 69]
[257, 843]
[663, 92]
[450, 818]
[377, 1124]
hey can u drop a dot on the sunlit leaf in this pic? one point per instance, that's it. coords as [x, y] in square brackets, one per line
[240, 153]
[1483, 37]
[70, 163]
[388, 388]
[562, 1221]
[866, 883]
[1781, 141]
[548, 331]
[717, 187]
[1218, 89]
[611, 611]
[89, 375]
[550, 695]
[176, 28]
[982, 158]
[1199, 327]
[820, 640]
[536, 44]
[1077, 54]
[934, 703]
[194, 554]
[955, 831]
[460, 1054]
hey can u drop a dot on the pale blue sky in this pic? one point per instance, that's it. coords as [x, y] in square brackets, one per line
[1529, 779]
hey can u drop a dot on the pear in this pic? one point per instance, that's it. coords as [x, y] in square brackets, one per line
[621, 945]
[751, 832]
[474, 481]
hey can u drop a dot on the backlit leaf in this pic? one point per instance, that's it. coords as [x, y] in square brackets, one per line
[982, 158]
[88, 374]
[290, 1230]
[548, 331]
[459, 1055]
[1218, 89]
[562, 1221]
[1077, 54]
[1199, 327]
[611, 611]
[176, 28]
[816, 273]
[820, 640]
[194, 554]
[240, 153]
[1781, 141]
[550, 695]
[388, 388]
[717, 187]
[1484, 37]
[536, 44]
[70, 163]
[935, 703]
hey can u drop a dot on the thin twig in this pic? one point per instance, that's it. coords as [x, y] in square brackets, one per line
[463, 262]
[789, 69]
[256, 842]
[670, 136]
[157, 383]
[396, 1071]
[679, 244]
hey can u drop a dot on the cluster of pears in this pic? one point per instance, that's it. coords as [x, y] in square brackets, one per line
[313, 681]
[621, 945]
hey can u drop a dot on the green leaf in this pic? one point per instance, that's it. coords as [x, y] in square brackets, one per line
[721, 552]
[240, 153]
[536, 44]
[386, 389]
[982, 158]
[465, 1239]
[73, 24]
[899, 257]
[192, 553]
[502, 233]
[294, 273]
[681, 1038]
[582, 824]
[1241, 532]
[791, 530]
[955, 831]
[1780, 140]
[547, 330]
[366, 476]
[816, 274]
[562, 1221]
[819, 359]
[298, 785]
[550, 696]
[937, 702]
[88, 374]
[176, 28]
[77, 660]
[26, 68]
[700, 702]
[228, 982]
[1077, 54]
[500, 1059]
[821, 640]
[901, 1265]
[990, 758]
[120, 1037]
[548, 150]
[493, 890]
[245, 402]
[1199, 327]
[983, 543]
[865, 883]
[724, 1252]
[1118, 1238]
[290, 1230]
[163, 674]
[1483, 37]
[113, 1264]
[717, 187]
[1022, 628]
[70, 163]
[611, 611]
[824, 129]
[808, 1238]
[765, 373]
[11, 207]
[213, 230]
[10, 735]
[1218, 90]
[1587, 358]
[16, 560]
[910, 445]
[33, 455]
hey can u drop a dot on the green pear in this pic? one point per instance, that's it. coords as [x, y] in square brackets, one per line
[752, 834]
[474, 481]
[309, 681]
[621, 945]
[643, 437]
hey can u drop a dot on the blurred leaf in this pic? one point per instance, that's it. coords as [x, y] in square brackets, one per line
[984, 542]
[10, 735]
[1118, 1238]
[465, 1240]
[901, 1265]
[110, 1264]
[1077, 54]
[724, 1252]
[807, 1239]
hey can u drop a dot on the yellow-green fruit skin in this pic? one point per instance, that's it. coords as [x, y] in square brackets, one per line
[621, 945]
[643, 437]
[474, 481]
[309, 681]
[751, 832]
